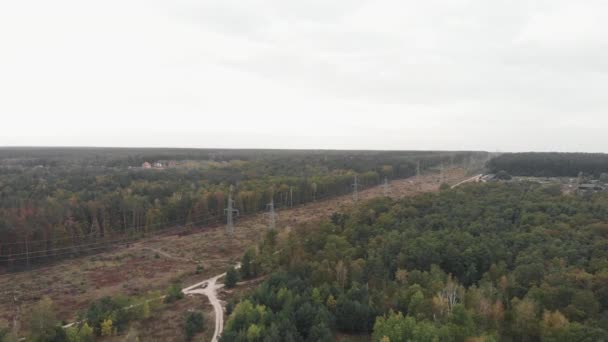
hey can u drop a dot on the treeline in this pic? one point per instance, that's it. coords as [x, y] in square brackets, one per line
[550, 164]
[125, 157]
[484, 262]
[65, 206]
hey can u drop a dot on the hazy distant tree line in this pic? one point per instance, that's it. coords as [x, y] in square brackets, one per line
[550, 164]
[485, 262]
[58, 203]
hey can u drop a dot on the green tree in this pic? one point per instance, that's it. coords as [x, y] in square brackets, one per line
[526, 318]
[232, 277]
[249, 267]
[194, 323]
[393, 326]
[43, 321]
[85, 333]
[106, 328]
[254, 333]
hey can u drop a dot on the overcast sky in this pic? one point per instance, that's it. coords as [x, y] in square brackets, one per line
[507, 75]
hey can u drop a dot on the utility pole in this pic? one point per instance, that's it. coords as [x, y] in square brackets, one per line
[272, 215]
[441, 175]
[230, 211]
[356, 190]
[386, 187]
[418, 169]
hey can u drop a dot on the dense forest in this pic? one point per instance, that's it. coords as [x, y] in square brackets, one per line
[483, 262]
[550, 164]
[59, 202]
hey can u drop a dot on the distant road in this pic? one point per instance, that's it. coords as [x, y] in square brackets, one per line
[472, 179]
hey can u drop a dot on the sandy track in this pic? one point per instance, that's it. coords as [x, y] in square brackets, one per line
[209, 288]
[475, 178]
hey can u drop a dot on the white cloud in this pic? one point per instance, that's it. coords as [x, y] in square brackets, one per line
[455, 74]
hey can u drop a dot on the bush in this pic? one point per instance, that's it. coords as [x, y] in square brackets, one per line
[199, 269]
[194, 323]
[232, 277]
[174, 293]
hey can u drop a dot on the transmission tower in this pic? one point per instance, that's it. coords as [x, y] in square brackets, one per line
[16, 312]
[356, 189]
[386, 187]
[272, 215]
[230, 211]
[291, 196]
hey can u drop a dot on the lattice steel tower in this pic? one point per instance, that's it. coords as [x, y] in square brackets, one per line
[386, 187]
[230, 211]
[356, 189]
[272, 215]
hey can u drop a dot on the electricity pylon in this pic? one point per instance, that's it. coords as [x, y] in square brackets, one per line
[356, 190]
[272, 215]
[291, 196]
[386, 187]
[230, 211]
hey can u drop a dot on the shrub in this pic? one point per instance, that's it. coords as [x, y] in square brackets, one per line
[232, 277]
[174, 293]
[194, 324]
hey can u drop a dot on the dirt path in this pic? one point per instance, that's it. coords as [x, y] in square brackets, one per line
[209, 288]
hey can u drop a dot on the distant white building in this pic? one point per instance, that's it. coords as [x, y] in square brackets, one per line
[146, 165]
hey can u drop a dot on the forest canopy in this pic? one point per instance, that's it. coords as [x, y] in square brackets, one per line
[484, 262]
[550, 164]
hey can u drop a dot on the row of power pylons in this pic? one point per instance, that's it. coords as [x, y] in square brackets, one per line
[231, 212]
[272, 215]
[271, 209]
